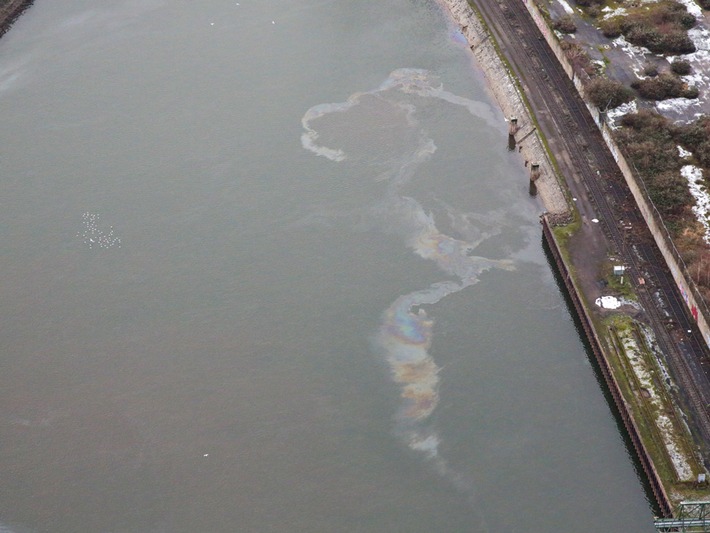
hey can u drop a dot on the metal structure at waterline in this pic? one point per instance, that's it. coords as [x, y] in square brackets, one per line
[693, 517]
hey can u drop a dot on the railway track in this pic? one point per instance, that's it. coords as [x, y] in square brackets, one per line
[595, 180]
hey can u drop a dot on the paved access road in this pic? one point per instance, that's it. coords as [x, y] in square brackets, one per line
[611, 223]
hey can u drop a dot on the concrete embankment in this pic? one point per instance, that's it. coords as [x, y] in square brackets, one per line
[502, 84]
[10, 10]
[551, 190]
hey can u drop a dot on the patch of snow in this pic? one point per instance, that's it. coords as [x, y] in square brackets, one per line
[680, 463]
[699, 77]
[614, 114]
[568, 9]
[611, 13]
[697, 188]
[677, 106]
[666, 427]
[608, 302]
[632, 303]
[692, 7]
[682, 152]
[637, 54]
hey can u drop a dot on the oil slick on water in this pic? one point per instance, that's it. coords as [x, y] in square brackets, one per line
[380, 128]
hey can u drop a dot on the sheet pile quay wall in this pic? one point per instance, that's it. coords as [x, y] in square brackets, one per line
[658, 229]
[612, 384]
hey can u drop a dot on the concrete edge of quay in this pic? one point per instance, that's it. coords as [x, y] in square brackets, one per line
[553, 193]
[10, 11]
[592, 337]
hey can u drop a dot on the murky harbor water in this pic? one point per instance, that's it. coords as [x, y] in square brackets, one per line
[268, 266]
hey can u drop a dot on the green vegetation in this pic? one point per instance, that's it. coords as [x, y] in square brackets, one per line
[664, 86]
[640, 379]
[680, 67]
[564, 233]
[608, 94]
[578, 58]
[650, 142]
[661, 27]
[639, 375]
[650, 70]
[564, 24]
[617, 285]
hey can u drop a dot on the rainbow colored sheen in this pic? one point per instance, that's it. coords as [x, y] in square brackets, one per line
[381, 133]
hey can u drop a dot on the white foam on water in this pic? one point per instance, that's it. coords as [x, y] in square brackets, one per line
[94, 234]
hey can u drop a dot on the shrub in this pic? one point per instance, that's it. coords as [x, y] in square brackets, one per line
[691, 92]
[680, 67]
[702, 153]
[565, 24]
[662, 87]
[650, 70]
[578, 57]
[675, 43]
[650, 141]
[611, 27]
[652, 157]
[608, 94]
[661, 27]
[669, 193]
[693, 135]
[641, 33]
[589, 3]
[664, 137]
[591, 7]
[594, 11]
[688, 21]
[645, 120]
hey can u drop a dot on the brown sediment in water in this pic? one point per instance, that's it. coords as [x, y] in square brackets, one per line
[10, 10]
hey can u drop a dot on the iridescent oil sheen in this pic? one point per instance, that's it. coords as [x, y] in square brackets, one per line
[406, 333]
